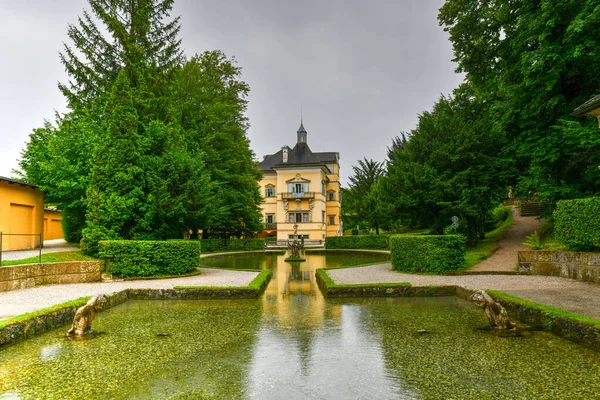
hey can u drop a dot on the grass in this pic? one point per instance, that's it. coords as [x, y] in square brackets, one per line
[256, 283]
[24, 317]
[550, 312]
[486, 247]
[329, 283]
[62, 256]
[551, 242]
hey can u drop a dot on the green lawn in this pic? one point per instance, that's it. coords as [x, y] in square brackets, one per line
[487, 246]
[74, 255]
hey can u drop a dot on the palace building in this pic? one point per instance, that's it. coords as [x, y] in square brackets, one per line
[301, 187]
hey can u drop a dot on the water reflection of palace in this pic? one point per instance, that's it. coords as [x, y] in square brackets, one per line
[293, 295]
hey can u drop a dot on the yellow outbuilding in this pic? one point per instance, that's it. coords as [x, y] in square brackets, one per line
[21, 214]
[301, 188]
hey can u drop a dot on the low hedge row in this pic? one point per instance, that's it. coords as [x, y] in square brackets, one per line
[151, 257]
[357, 242]
[436, 254]
[209, 245]
[577, 223]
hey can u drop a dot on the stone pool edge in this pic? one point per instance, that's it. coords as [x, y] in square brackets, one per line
[36, 324]
[559, 322]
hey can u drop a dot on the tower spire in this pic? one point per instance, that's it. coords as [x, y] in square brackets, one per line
[301, 131]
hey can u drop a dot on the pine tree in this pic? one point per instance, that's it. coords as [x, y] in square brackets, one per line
[138, 33]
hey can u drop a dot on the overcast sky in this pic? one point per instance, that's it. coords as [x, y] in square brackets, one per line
[362, 71]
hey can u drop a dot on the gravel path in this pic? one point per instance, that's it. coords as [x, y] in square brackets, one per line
[567, 294]
[18, 302]
[505, 258]
[50, 246]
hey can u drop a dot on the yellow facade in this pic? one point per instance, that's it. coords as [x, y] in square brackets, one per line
[22, 213]
[301, 188]
[52, 225]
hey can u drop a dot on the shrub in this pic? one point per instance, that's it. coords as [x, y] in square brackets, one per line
[150, 257]
[357, 242]
[577, 223]
[232, 244]
[497, 216]
[427, 253]
[534, 241]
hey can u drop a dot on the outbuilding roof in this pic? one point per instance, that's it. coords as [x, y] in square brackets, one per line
[14, 181]
[588, 106]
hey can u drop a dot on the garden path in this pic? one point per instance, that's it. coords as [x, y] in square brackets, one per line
[17, 302]
[505, 258]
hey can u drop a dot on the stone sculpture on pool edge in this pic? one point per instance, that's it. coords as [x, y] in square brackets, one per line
[82, 322]
[494, 311]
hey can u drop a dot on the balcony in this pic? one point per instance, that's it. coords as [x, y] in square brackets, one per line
[270, 225]
[302, 195]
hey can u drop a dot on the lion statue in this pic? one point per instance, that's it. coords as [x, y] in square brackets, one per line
[494, 311]
[82, 322]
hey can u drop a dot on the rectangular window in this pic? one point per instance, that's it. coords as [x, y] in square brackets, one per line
[298, 217]
[270, 219]
[270, 192]
[323, 216]
[298, 187]
[332, 220]
[330, 196]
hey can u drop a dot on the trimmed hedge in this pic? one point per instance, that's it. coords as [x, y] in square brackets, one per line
[150, 257]
[577, 223]
[436, 254]
[209, 245]
[358, 242]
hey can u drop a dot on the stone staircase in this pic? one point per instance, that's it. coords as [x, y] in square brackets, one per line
[534, 209]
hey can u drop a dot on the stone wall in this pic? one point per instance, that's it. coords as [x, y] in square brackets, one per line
[30, 275]
[565, 264]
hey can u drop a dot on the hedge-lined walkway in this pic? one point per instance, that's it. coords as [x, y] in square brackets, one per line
[567, 294]
[19, 302]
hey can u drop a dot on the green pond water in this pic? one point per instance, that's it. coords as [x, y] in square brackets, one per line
[294, 344]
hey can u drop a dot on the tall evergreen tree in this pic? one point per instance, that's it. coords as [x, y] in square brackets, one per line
[138, 32]
[361, 199]
[213, 103]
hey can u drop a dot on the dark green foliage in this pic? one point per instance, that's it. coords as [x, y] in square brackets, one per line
[449, 166]
[212, 245]
[212, 101]
[497, 216]
[151, 258]
[72, 222]
[137, 31]
[362, 200]
[357, 242]
[533, 63]
[427, 253]
[154, 146]
[577, 223]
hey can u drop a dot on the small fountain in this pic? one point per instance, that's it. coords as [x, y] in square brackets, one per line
[494, 311]
[295, 247]
[82, 322]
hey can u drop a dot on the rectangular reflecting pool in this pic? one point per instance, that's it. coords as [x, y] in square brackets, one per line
[298, 348]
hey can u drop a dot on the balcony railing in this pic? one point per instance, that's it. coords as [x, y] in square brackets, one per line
[270, 225]
[302, 195]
